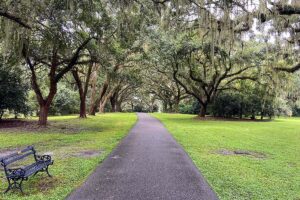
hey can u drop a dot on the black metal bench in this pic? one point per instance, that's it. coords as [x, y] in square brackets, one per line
[15, 176]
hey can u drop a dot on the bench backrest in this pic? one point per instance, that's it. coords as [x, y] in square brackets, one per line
[17, 156]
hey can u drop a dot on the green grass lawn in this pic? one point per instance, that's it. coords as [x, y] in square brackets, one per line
[70, 140]
[271, 172]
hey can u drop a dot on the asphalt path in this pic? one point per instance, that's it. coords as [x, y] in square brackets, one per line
[147, 165]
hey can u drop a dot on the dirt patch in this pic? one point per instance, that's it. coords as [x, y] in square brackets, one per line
[43, 184]
[13, 123]
[65, 128]
[254, 154]
[87, 153]
[47, 183]
[14, 126]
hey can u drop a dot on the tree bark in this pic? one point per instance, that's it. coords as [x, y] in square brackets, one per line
[132, 106]
[82, 89]
[102, 106]
[203, 109]
[1, 114]
[262, 115]
[165, 106]
[176, 106]
[113, 104]
[43, 114]
[103, 102]
[93, 100]
[82, 112]
[93, 110]
[118, 107]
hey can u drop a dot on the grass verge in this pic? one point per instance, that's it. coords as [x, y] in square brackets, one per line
[242, 160]
[76, 145]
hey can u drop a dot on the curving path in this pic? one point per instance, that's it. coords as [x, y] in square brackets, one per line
[148, 164]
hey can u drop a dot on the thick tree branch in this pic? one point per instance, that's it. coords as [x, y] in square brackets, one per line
[289, 70]
[73, 60]
[15, 19]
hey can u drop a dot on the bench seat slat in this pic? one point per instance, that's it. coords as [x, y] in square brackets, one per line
[29, 148]
[17, 157]
[35, 168]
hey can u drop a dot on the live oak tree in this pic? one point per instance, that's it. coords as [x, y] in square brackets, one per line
[56, 43]
[128, 82]
[221, 28]
[82, 78]
[161, 84]
[121, 50]
[200, 44]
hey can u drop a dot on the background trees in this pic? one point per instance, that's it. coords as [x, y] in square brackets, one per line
[120, 55]
[13, 90]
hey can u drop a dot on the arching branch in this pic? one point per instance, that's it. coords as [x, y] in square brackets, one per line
[15, 19]
[289, 70]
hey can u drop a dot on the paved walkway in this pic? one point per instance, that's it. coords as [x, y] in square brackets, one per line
[147, 165]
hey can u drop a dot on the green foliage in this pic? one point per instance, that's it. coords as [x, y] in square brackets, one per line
[189, 107]
[13, 91]
[235, 104]
[65, 102]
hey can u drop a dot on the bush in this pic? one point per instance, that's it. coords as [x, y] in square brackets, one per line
[13, 91]
[66, 101]
[192, 107]
[227, 105]
[236, 104]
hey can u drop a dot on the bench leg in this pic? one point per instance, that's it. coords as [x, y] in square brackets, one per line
[47, 171]
[20, 186]
[9, 186]
[36, 173]
[14, 185]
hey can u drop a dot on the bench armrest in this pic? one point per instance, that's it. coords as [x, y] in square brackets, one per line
[43, 158]
[16, 173]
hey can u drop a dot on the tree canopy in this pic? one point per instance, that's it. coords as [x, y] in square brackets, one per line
[160, 53]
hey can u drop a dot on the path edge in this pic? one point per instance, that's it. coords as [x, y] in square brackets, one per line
[197, 169]
[106, 157]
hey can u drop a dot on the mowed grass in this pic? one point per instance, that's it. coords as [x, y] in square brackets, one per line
[273, 172]
[70, 140]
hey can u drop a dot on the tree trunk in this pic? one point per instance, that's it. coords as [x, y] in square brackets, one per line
[102, 104]
[93, 109]
[113, 104]
[93, 104]
[43, 114]
[82, 113]
[203, 110]
[241, 111]
[1, 114]
[132, 106]
[176, 106]
[118, 107]
[102, 107]
[165, 107]
[170, 107]
[82, 89]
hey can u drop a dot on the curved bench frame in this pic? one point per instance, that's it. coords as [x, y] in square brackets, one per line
[16, 176]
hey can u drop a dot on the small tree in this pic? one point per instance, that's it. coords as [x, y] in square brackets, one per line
[13, 91]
